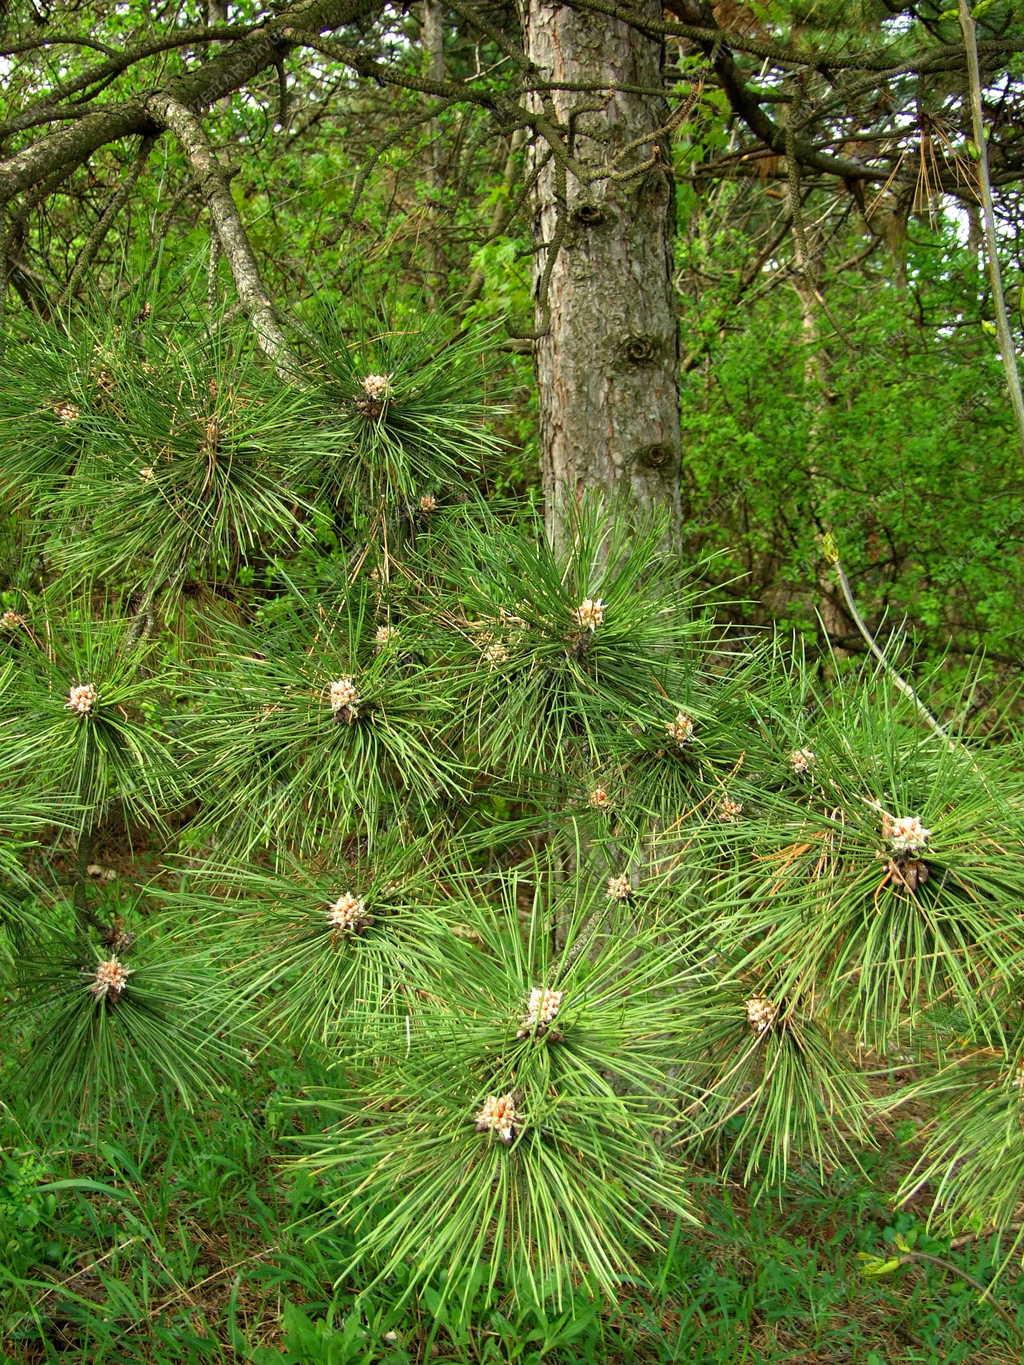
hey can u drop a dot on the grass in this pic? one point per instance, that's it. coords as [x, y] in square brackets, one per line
[171, 1245]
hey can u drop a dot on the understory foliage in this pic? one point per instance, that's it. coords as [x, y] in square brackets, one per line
[558, 891]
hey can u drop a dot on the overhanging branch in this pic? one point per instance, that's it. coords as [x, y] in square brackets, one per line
[229, 71]
[216, 192]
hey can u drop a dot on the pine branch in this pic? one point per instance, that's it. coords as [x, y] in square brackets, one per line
[214, 80]
[215, 190]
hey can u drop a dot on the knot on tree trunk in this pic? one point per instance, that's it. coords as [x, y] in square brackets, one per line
[655, 456]
[589, 215]
[639, 349]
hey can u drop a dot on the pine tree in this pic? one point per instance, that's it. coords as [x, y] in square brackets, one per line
[554, 887]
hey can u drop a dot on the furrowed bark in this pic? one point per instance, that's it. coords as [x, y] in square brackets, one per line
[607, 351]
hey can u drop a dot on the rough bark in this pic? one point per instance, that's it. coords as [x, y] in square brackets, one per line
[607, 349]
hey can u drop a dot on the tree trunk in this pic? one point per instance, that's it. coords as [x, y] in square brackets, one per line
[607, 352]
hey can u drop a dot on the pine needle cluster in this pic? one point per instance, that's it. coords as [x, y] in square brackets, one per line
[557, 888]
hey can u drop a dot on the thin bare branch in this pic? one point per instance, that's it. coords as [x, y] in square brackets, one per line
[1007, 350]
[102, 226]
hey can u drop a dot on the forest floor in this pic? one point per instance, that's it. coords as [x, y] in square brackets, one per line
[170, 1244]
